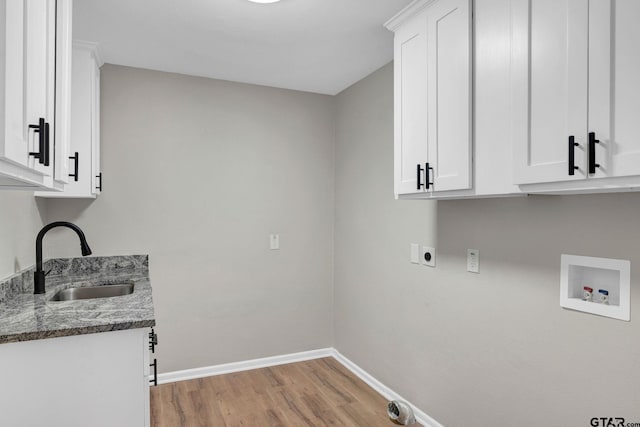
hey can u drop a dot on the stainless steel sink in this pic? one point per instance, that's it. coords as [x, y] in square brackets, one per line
[91, 292]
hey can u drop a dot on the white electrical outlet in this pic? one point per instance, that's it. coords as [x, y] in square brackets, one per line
[473, 260]
[274, 241]
[415, 253]
[428, 256]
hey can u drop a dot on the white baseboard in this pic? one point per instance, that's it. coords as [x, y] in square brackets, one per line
[246, 365]
[227, 368]
[383, 390]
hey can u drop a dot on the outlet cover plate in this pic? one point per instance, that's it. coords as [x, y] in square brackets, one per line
[473, 260]
[428, 256]
[415, 253]
[274, 242]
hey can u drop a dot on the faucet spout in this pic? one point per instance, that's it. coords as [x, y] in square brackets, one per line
[39, 274]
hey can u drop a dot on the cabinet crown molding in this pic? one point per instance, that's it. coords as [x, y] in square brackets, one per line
[94, 48]
[414, 7]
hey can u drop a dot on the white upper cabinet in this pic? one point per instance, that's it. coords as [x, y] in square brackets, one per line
[14, 147]
[410, 112]
[551, 91]
[576, 94]
[449, 94]
[83, 161]
[35, 35]
[39, 87]
[451, 63]
[63, 57]
[614, 86]
[432, 52]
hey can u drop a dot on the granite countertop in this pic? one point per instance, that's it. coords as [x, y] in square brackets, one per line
[25, 316]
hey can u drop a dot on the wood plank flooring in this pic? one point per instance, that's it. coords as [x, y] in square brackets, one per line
[318, 392]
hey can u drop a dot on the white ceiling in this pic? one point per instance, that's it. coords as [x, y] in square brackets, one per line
[318, 46]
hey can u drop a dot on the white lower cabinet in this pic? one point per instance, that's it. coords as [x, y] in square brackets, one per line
[576, 95]
[83, 162]
[97, 380]
[449, 62]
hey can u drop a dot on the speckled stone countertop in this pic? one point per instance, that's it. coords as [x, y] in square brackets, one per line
[25, 316]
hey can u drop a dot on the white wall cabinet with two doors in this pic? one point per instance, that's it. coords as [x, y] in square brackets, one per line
[35, 73]
[576, 89]
[452, 65]
[85, 175]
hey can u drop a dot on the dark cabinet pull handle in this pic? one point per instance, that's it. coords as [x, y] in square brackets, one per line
[46, 144]
[155, 372]
[592, 152]
[418, 173]
[427, 177]
[40, 130]
[572, 155]
[99, 186]
[75, 162]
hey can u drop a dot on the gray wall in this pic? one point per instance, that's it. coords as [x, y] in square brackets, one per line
[488, 349]
[20, 221]
[198, 173]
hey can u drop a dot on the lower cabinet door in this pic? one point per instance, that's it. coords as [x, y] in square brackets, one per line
[97, 380]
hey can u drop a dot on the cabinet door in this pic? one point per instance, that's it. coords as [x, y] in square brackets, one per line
[410, 110]
[84, 161]
[97, 380]
[82, 184]
[449, 94]
[86, 75]
[39, 84]
[550, 70]
[61, 82]
[13, 144]
[96, 187]
[614, 87]
[34, 85]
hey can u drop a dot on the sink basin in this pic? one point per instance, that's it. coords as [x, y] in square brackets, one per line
[91, 292]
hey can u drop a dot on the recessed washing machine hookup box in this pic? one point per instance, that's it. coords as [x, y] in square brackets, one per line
[596, 285]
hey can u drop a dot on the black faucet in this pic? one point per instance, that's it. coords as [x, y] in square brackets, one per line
[39, 274]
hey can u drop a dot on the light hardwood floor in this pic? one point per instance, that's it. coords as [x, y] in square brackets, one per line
[318, 392]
